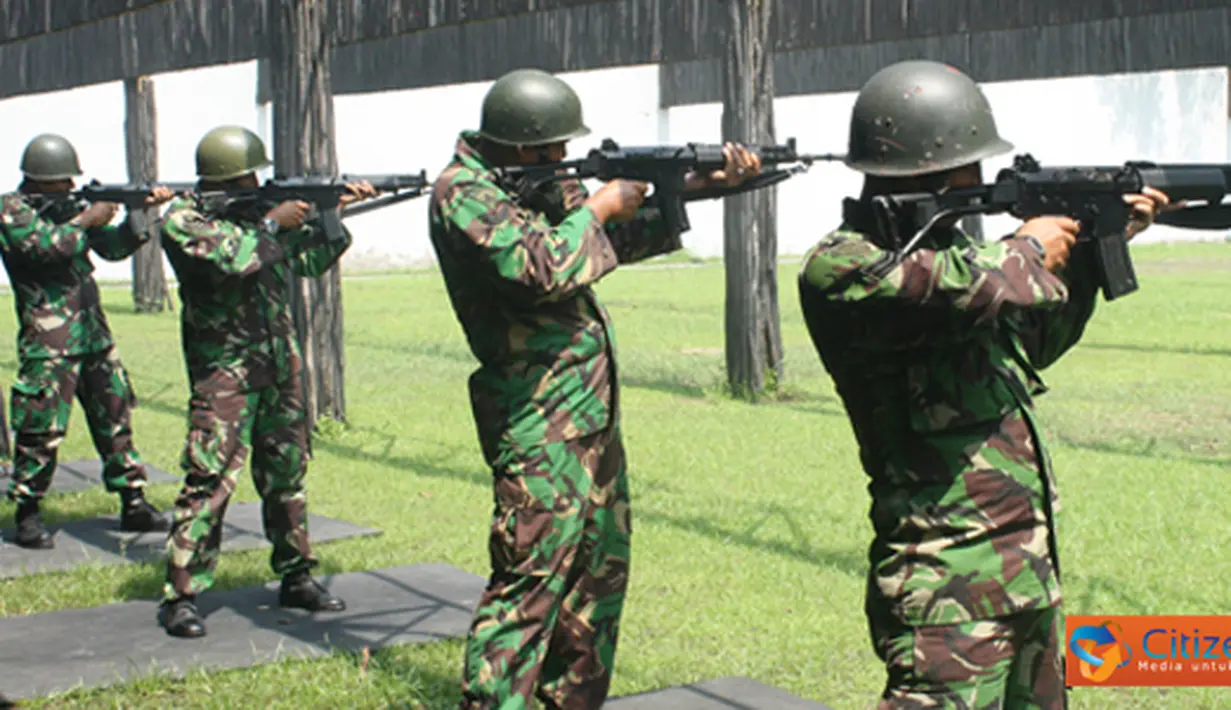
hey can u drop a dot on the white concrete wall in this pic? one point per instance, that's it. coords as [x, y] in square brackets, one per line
[1167, 116]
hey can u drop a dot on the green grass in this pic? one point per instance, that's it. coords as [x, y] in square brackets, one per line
[750, 529]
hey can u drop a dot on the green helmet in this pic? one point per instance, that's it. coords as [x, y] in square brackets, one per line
[228, 152]
[531, 107]
[50, 157]
[919, 117]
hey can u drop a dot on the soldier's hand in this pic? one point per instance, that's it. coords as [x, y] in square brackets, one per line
[159, 195]
[741, 165]
[618, 200]
[358, 191]
[289, 214]
[1056, 234]
[98, 214]
[1146, 207]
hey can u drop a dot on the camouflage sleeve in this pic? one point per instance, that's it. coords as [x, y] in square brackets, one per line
[227, 248]
[311, 252]
[1048, 335]
[642, 237]
[521, 249]
[116, 243]
[575, 194]
[38, 239]
[980, 281]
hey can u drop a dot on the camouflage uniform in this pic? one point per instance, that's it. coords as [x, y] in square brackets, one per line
[65, 346]
[936, 361]
[545, 402]
[244, 367]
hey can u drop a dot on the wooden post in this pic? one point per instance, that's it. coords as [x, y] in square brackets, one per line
[141, 147]
[303, 128]
[750, 239]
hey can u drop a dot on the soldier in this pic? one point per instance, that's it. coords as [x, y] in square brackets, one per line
[936, 359]
[65, 345]
[234, 259]
[519, 269]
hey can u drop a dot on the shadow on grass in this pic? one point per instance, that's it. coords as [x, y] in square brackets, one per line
[1127, 599]
[1145, 451]
[667, 385]
[1157, 349]
[849, 562]
[452, 352]
[705, 310]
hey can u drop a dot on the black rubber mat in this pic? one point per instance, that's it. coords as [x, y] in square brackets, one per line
[99, 541]
[57, 651]
[73, 476]
[718, 694]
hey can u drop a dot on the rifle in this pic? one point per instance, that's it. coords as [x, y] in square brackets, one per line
[321, 191]
[665, 167]
[1091, 195]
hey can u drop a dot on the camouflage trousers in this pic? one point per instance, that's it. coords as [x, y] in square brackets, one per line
[227, 420]
[548, 622]
[42, 402]
[1013, 662]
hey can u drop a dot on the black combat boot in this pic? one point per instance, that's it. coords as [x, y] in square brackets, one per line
[300, 591]
[137, 515]
[181, 618]
[31, 532]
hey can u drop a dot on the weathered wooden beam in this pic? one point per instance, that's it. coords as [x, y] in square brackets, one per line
[399, 44]
[303, 145]
[167, 36]
[350, 20]
[574, 39]
[43, 48]
[20, 19]
[750, 240]
[353, 21]
[1181, 40]
[141, 150]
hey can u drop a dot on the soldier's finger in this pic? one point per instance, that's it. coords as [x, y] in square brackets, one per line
[753, 161]
[1158, 196]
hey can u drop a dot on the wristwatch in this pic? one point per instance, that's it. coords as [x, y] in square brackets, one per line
[270, 226]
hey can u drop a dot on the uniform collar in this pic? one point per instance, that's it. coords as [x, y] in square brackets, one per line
[467, 152]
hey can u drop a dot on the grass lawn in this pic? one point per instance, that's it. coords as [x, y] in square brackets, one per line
[750, 527]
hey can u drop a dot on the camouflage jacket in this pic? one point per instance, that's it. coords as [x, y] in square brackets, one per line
[936, 361]
[48, 262]
[521, 286]
[234, 283]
